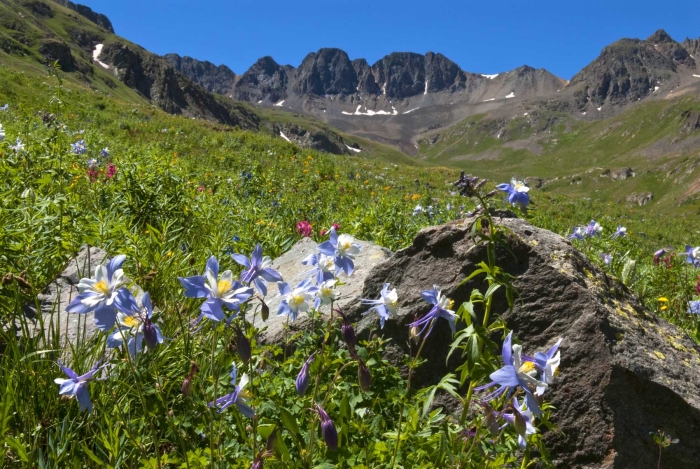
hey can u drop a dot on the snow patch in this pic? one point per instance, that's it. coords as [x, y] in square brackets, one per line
[370, 112]
[487, 100]
[411, 110]
[384, 89]
[583, 113]
[490, 77]
[656, 88]
[284, 136]
[279, 104]
[426, 87]
[600, 108]
[260, 101]
[525, 114]
[356, 150]
[511, 95]
[696, 76]
[96, 54]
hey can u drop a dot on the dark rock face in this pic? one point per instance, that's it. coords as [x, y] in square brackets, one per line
[400, 74]
[624, 372]
[157, 81]
[442, 74]
[265, 79]
[328, 71]
[217, 79]
[56, 49]
[365, 78]
[97, 18]
[630, 69]
[40, 9]
[692, 46]
[327, 141]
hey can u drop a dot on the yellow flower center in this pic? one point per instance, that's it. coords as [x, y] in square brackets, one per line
[527, 367]
[102, 287]
[296, 300]
[131, 321]
[345, 245]
[223, 286]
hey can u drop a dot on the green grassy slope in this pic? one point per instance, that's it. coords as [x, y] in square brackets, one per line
[659, 140]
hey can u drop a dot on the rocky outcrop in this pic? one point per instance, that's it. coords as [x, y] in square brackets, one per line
[55, 49]
[266, 79]
[365, 79]
[216, 79]
[328, 71]
[692, 46]
[97, 18]
[53, 301]
[624, 372]
[321, 140]
[157, 81]
[631, 69]
[621, 174]
[640, 198]
[290, 267]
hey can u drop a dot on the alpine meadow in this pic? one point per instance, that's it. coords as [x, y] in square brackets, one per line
[342, 264]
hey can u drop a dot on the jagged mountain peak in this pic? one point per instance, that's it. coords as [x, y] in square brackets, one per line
[660, 37]
[215, 78]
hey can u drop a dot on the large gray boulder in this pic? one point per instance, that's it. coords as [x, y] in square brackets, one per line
[624, 371]
[52, 302]
[293, 271]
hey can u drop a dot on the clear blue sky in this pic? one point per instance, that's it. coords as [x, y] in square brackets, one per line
[484, 37]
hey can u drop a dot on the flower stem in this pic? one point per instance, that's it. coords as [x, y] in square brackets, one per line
[403, 400]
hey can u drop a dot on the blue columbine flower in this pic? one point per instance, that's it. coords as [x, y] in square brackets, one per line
[239, 396]
[621, 232]
[694, 307]
[224, 292]
[328, 431]
[76, 386]
[258, 269]
[296, 301]
[98, 294]
[5, 107]
[323, 267]
[440, 310]
[516, 193]
[693, 255]
[19, 146]
[326, 293]
[418, 210]
[385, 306]
[343, 249]
[607, 258]
[521, 419]
[594, 229]
[579, 233]
[546, 364]
[514, 373]
[78, 147]
[104, 153]
[135, 323]
[2, 134]
[302, 382]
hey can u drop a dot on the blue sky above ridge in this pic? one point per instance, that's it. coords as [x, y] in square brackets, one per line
[481, 37]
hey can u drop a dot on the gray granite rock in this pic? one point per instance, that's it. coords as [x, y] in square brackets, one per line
[53, 301]
[293, 271]
[624, 372]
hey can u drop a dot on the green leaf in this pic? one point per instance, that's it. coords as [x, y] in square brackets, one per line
[289, 422]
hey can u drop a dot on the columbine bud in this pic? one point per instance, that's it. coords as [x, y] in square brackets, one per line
[265, 311]
[303, 376]
[149, 334]
[348, 333]
[328, 431]
[187, 384]
[257, 462]
[242, 345]
[363, 375]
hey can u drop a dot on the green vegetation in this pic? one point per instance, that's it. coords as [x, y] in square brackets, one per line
[175, 191]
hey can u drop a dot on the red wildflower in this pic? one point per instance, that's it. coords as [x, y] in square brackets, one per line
[304, 228]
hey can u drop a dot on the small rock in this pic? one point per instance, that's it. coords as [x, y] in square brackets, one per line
[622, 174]
[640, 199]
